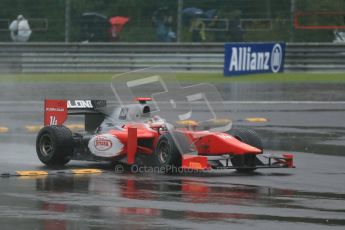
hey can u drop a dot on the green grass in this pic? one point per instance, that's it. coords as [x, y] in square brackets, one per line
[182, 77]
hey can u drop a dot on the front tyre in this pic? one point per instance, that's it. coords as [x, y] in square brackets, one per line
[166, 152]
[247, 162]
[167, 155]
[54, 145]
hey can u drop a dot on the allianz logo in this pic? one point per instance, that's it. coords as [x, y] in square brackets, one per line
[244, 59]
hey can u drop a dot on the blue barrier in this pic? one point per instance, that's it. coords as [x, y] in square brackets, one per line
[250, 58]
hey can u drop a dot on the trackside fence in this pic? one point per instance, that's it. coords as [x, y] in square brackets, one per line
[186, 57]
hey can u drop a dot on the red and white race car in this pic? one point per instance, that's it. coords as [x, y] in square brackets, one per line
[130, 132]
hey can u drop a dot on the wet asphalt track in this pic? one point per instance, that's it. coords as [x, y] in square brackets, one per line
[308, 123]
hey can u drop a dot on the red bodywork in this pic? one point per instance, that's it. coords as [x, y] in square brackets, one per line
[207, 143]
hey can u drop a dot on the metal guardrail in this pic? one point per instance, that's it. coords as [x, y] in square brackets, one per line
[118, 57]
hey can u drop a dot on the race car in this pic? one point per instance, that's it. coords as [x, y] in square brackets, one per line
[129, 132]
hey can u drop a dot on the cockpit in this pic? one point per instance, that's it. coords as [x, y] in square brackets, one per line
[133, 113]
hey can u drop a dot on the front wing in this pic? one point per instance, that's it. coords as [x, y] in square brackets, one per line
[195, 162]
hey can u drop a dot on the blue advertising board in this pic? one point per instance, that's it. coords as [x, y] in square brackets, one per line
[250, 58]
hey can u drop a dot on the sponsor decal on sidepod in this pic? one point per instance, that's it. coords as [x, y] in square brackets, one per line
[105, 145]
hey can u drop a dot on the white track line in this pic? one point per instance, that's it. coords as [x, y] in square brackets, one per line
[284, 102]
[225, 102]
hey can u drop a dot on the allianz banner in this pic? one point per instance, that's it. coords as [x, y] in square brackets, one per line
[249, 58]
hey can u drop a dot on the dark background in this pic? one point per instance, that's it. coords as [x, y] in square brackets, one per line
[140, 28]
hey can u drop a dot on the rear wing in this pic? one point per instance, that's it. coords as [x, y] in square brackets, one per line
[57, 111]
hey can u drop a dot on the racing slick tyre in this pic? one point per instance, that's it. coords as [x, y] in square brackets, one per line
[249, 137]
[54, 145]
[167, 154]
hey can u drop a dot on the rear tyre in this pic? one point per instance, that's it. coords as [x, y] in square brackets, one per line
[249, 137]
[54, 145]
